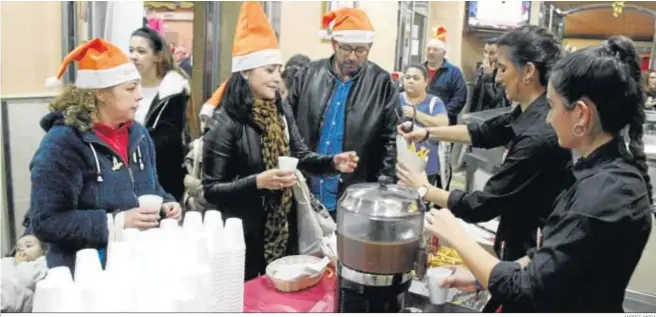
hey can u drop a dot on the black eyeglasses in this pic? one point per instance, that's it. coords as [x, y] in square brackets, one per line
[359, 51]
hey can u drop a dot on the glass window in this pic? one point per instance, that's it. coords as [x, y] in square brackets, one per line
[411, 39]
[96, 17]
[273, 10]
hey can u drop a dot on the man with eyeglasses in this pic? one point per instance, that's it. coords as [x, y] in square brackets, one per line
[347, 103]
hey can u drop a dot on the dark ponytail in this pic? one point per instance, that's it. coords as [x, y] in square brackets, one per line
[637, 148]
[609, 75]
[625, 51]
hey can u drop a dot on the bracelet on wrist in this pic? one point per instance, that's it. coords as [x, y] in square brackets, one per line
[426, 136]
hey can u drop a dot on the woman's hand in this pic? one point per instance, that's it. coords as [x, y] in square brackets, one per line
[408, 111]
[275, 179]
[141, 218]
[410, 178]
[416, 135]
[346, 162]
[461, 279]
[445, 226]
[172, 210]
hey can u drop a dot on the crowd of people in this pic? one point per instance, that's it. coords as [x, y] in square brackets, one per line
[124, 127]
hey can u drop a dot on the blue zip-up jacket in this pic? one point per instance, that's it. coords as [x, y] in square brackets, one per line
[76, 182]
[449, 85]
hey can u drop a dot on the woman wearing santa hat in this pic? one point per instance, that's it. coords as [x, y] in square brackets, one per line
[253, 129]
[93, 160]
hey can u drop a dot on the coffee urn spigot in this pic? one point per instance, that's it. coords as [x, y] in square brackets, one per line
[421, 260]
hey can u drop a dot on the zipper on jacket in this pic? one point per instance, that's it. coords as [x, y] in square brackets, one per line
[134, 189]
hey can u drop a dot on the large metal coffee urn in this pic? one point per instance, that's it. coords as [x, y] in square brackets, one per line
[379, 240]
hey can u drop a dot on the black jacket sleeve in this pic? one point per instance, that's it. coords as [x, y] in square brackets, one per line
[392, 114]
[504, 188]
[491, 133]
[309, 161]
[554, 268]
[219, 162]
[296, 89]
[477, 92]
[167, 131]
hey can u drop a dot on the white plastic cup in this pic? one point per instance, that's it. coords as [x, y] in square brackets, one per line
[52, 298]
[60, 275]
[110, 228]
[151, 202]
[287, 163]
[168, 224]
[193, 221]
[213, 218]
[87, 265]
[118, 257]
[45, 294]
[234, 233]
[130, 234]
[437, 293]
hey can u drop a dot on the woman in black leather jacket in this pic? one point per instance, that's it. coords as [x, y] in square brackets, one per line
[253, 129]
[239, 180]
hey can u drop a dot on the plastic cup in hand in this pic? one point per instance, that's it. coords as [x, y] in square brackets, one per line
[193, 221]
[60, 275]
[436, 292]
[287, 163]
[87, 265]
[151, 202]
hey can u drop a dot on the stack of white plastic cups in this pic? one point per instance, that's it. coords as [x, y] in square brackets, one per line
[228, 263]
[92, 282]
[57, 293]
[119, 271]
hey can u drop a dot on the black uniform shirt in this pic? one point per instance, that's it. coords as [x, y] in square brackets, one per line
[522, 192]
[592, 241]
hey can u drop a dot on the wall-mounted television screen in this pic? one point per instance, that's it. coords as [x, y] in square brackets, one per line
[491, 14]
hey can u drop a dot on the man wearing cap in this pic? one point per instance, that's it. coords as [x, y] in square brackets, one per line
[347, 103]
[445, 79]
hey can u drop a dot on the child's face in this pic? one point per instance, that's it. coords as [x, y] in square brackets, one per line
[28, 248]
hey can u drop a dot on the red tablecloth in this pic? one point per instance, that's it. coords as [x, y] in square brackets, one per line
[261, 297]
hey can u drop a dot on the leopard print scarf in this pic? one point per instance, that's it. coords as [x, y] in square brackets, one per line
[278, 203]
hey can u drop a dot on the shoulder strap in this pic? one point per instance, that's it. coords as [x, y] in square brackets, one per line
[431, 105]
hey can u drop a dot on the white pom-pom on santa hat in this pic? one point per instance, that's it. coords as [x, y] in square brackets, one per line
[53, 83]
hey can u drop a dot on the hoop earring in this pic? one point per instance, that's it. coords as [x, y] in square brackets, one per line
[527, 81]
[578, 130]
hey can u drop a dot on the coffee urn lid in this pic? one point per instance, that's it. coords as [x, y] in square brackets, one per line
[382, 200]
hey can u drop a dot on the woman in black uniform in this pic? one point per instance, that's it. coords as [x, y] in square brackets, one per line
[535, 168]
[594, 237]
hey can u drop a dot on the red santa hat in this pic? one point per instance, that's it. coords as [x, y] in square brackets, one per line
[440, 38]
[101, 64]
[255, 43]
[347, 25]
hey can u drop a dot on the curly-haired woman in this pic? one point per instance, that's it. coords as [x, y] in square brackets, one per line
[93, 159]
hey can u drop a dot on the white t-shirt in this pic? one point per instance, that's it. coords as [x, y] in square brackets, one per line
[148, 94]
